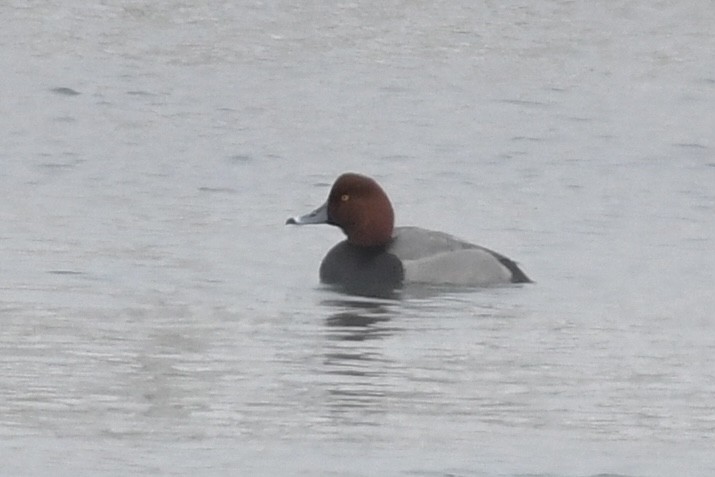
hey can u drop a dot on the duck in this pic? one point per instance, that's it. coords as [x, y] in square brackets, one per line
[377, 257]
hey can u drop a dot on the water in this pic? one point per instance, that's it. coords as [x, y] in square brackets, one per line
[157, 318]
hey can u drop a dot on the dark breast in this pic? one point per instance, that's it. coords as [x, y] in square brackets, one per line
[361, 270]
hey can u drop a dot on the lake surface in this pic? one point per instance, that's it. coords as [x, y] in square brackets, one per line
[157, 317]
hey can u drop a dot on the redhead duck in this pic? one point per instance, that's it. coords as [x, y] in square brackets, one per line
[377, 257]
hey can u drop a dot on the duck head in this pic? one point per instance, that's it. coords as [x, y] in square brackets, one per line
[358, 205]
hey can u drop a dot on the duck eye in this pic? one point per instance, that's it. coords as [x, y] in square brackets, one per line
[345, 197]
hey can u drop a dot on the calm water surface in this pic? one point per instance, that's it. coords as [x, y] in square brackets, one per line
[157, 318]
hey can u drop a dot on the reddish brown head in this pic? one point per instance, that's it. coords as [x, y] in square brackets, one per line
[359, 206]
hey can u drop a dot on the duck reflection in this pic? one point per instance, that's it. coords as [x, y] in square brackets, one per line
[359, 320]
[355, 367]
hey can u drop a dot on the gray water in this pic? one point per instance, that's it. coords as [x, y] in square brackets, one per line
[157, 317]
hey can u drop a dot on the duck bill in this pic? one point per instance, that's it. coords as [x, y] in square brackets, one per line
[318, 216]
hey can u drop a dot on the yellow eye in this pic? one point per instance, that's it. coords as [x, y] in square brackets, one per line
[345, 197]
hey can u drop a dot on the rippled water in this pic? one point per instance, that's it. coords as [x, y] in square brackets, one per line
[157, 318]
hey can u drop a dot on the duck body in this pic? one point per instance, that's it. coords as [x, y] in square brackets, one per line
[417, 255]
[376, 256]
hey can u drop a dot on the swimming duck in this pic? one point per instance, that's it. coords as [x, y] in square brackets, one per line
[376, 256]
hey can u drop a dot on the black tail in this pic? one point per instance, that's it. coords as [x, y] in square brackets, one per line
[517, 276]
